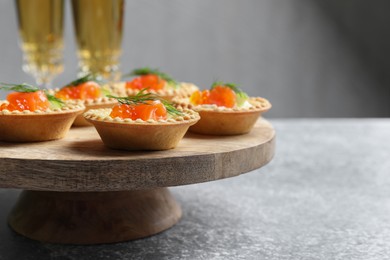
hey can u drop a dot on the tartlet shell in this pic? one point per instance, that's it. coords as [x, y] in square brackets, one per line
[185, 90]
[37, 126]
[141, 135]
[93, 104]
[226, 121]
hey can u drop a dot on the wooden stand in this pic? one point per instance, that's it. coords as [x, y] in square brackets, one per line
[93, 217]
[77, 191]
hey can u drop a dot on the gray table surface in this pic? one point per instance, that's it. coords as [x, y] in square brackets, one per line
[325, 195]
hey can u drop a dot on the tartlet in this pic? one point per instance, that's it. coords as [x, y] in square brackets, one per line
[102, 102]
[156, 82]
[20, 124]
[184, 89]
[141, 134]
[225, 119]
[88, 92]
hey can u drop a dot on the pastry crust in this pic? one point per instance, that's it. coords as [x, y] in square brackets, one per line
[128, 134]
[103, 102]
[185, 90]
[226, 121]
[35, 126]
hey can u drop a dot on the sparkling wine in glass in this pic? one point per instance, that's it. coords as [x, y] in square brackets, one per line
[98, 26]
[40, 24]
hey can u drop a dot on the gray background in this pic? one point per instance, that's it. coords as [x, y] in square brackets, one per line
[310, 58]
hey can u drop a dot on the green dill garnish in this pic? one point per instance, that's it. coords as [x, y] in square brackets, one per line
[24, 87]
[55, 102]
[142, 97]
[149, 71]
[86, 78]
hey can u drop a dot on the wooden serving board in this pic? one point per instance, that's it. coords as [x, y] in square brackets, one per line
[81, 163]
[77, 191]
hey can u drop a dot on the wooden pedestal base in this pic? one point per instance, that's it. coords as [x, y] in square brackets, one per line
[86, 205]
[93, 217]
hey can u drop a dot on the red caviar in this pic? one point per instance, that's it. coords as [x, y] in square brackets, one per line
[87, 90]
[26, 101]
[150, 81]
[218, 95]
[151, 110]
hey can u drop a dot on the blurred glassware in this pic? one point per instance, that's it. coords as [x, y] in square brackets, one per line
[40, 24]
[98, 26]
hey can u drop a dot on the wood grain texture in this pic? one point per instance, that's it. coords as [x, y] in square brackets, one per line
[81, 162]
[93, 217]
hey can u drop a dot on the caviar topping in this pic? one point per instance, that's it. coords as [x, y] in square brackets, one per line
[87, 87]
[154, 110]
[28, 97]
[220, 94]
[143, 106]
[152, 79]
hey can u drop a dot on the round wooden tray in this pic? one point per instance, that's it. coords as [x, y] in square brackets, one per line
[79, 191]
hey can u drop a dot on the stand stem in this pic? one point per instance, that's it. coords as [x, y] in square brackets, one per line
[93, 217]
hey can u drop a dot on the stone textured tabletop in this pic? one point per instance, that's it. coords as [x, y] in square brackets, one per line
[325, 195]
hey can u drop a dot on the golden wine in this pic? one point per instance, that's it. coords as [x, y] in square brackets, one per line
[40, 25]
[98, 25]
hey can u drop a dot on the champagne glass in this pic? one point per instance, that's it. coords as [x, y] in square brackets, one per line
[40, 24]
[98, 26]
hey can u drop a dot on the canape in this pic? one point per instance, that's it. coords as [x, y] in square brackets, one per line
[30, 114]
[155, 82]
[224, 109]
[141, 122]
[87, 91]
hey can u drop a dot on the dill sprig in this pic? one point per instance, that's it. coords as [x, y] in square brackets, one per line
[56, 102]
[24, 87]
[143, 96]
[148, 71]
[86, 78]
